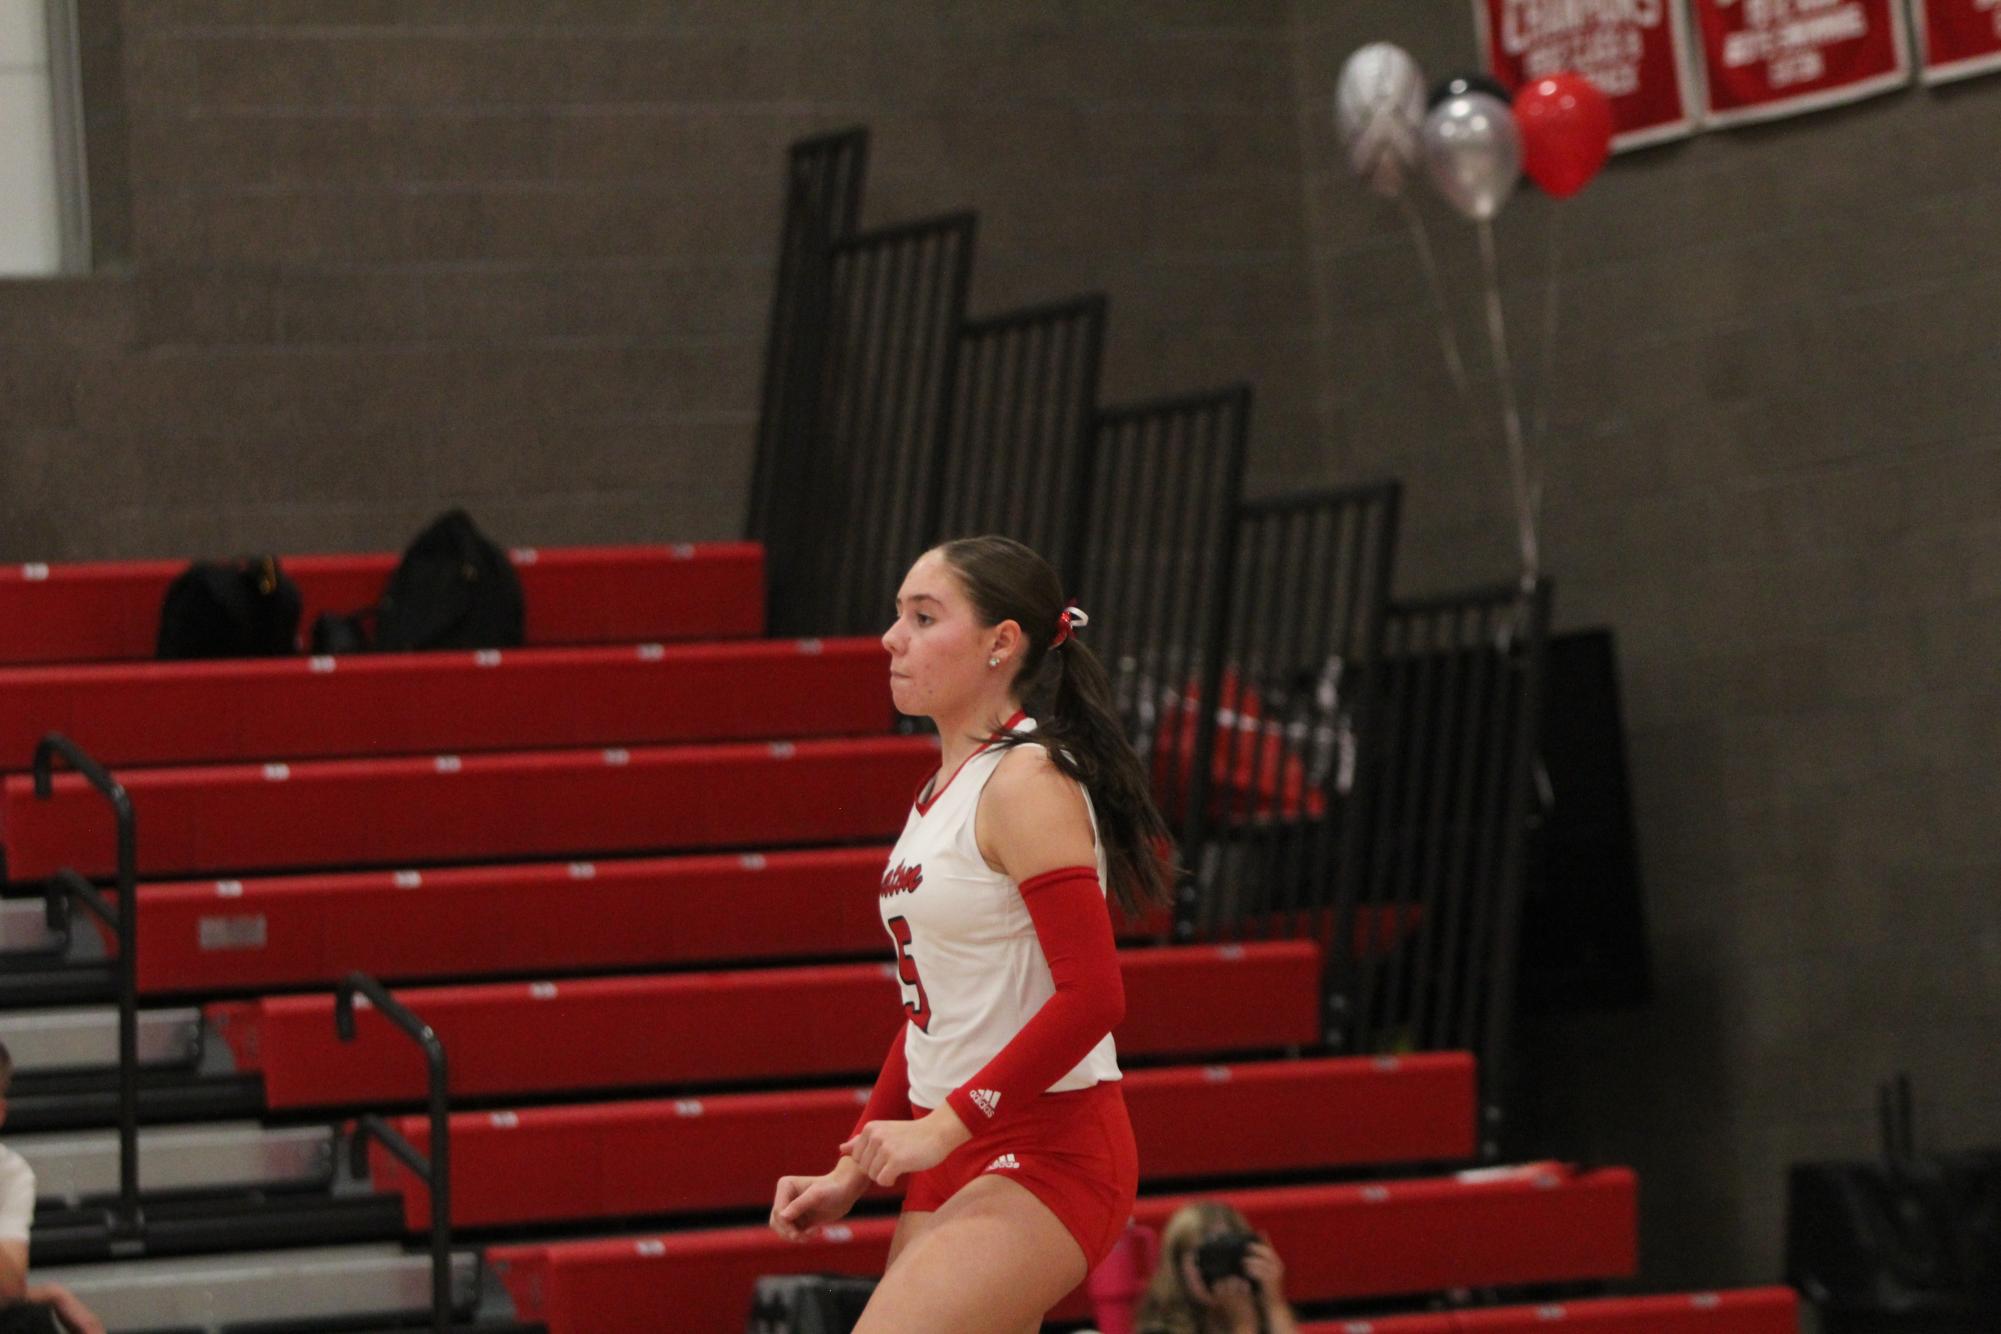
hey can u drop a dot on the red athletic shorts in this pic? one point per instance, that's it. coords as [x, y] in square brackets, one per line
[1072, 1151]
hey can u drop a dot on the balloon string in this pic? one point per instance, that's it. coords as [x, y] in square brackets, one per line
[1448, 342]
[1544, 390]
[1511, 416]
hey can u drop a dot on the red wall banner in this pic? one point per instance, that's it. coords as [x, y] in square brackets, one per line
[1765, 58]
[1958, 38]
[1632, 49]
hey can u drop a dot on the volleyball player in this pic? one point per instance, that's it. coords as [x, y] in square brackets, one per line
[999, 1104]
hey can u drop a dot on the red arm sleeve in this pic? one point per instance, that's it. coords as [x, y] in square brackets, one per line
[1074, 927]
[890, 1100]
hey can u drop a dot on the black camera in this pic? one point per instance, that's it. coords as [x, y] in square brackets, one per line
[1222, 1256]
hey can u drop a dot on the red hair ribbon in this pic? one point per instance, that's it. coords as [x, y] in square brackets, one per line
[1068, 622]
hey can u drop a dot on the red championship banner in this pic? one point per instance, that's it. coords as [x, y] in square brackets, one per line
[1631, 49]
[1958, 37]
[1766, 58]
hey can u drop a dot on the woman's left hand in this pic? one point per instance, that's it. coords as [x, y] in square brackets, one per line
[1263, 1267]
[887, 1150]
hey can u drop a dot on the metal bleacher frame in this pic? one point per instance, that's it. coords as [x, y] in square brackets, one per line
[435, 1171]
[1017, 443]
[1162, 493]
[1286, 680]
[1461, 695]
[823, 185]
[126, 1222]
[1271, 618]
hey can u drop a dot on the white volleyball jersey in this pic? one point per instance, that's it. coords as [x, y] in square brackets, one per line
[970, 967]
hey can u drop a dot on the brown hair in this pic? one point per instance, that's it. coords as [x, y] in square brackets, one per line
[1168, 1307]
[6, 1069]
[1066, 691]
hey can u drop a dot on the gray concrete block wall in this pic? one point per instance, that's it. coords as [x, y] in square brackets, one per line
[1773, 470]
[381, 256]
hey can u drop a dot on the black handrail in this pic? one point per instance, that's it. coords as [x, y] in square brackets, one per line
[62, 887]
[437, 1172]
[54, 744]
[123, 921]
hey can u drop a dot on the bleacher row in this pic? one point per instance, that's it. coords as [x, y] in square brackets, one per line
[627, 874]
[109, 611]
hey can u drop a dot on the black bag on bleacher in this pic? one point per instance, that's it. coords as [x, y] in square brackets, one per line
[453, 589]
[244, 608]
[335, 632]
[808, 1303]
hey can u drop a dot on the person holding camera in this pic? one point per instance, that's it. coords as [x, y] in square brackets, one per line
[1217, 1275]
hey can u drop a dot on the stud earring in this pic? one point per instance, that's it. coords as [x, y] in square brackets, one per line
[993, 662]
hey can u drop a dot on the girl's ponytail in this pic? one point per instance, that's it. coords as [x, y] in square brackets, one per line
[1063, 686]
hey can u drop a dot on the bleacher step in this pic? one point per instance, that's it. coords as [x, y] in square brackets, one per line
[70, 1168]
[110, 610]
[86, 1038]
[687, 1028]
[61, 1101]
[1528, 1225]
[364, 1282]
[1748, 1311]
[37, 981]
[681, 1155]
[444, 808]
[289, 931]
[212, 712]
[24, 929]
[282, 932]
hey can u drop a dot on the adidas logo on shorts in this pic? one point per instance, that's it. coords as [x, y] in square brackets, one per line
[985, 1099]
[1005, 1163]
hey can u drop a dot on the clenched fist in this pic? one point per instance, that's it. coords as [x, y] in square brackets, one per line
[802, 1205]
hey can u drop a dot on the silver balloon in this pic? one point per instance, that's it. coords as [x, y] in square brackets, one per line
[1379, 111]
[1473, 153]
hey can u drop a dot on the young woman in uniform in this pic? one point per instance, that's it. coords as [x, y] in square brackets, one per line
[999, 1105]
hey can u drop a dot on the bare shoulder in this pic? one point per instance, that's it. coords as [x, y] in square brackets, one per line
[1032, 816]
[1028, 774]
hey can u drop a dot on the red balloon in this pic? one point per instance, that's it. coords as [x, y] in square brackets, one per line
[1566, 126]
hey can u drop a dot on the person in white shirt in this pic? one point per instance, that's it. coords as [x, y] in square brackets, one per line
[17, 1215]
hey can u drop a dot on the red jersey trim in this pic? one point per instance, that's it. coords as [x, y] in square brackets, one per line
[923, 804]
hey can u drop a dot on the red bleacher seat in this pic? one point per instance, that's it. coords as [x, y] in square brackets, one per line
[110, 611]
[1387, 1109]
[1541, 1224]
[712, 1028]
[547, 916]
[451, 808]
[691, 1155]
[540, 917]
[413, 703]
[1751, 1311]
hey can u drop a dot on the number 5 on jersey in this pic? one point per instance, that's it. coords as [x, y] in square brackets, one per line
[906, 970]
